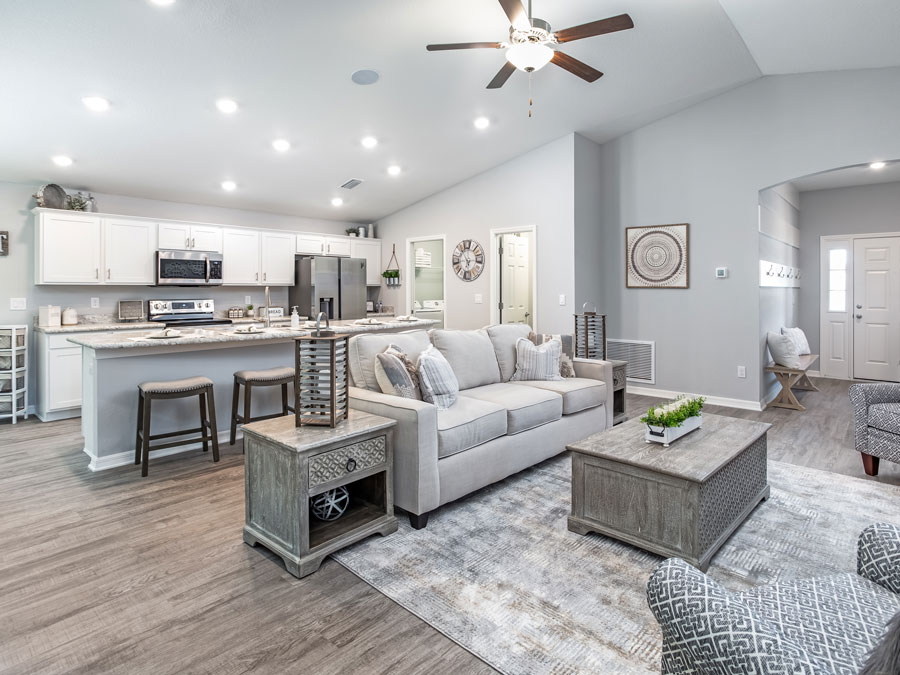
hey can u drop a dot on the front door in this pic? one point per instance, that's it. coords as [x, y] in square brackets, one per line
[876, 309]
[515, 280]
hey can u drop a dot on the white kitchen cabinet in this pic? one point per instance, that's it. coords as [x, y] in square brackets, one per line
[188, 237]
[370, 249]
[130, 251]
[206, 238]
[310, 244]
[338, 246]
[176, 236]
[68, 248]
[240, 253]
[277, 258]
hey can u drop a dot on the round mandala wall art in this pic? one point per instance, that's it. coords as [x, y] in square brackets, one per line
[656, 256]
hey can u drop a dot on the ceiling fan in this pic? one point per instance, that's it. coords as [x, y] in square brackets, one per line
[532, 45]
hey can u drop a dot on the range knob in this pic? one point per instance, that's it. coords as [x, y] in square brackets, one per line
[156, 305]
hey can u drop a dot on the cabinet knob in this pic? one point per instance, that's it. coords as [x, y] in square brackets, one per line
[351, 464]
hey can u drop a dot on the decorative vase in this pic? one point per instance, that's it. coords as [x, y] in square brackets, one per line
[371, 230]
[667, 435]
[362, 230]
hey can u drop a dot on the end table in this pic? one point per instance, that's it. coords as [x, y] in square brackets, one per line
[619, 390]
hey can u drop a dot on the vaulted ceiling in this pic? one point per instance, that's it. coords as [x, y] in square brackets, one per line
[288, 66]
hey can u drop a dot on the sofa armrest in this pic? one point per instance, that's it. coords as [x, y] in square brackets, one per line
[878, 555]
[862, 395]
[416, 481]
[595, 369]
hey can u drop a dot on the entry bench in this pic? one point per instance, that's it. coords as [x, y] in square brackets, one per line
[792, 378]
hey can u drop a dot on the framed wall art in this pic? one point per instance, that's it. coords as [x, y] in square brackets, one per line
[656, 256]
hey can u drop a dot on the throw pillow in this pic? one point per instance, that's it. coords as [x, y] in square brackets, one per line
[784, 351]
[396, 375]
[437, 379]
[537, 362]
[798, 337]
[566, 358]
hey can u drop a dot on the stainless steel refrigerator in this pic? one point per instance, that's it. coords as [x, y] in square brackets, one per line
[336, 286]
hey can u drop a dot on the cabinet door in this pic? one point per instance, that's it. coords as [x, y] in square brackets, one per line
[370, 249]
[130, 251]
[277, 260]
[175, 236]
[310, 244]
[69, 249]
[240, 264]
[338, 247]
[206, 238]
[64, 378]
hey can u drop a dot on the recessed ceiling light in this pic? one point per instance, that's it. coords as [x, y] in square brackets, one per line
[95, 103]
[281, 144]
[877, 165]
[394, 170]
[228, 185]
[369, 142]
[163, 3]
[226, 105]
[365, 76]
[337, 201]
[62, 160]
[481, 123]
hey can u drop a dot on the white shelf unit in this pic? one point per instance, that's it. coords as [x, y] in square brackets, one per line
[13, 372]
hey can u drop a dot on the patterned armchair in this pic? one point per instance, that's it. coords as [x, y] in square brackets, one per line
[821, 625]
[876, 412]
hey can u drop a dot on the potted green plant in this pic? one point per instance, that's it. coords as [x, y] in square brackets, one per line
[352, 232]
[391, 277]
[250, 311]
[667, 423]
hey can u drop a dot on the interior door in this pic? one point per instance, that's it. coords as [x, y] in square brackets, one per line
[876, 308]
[515, 281]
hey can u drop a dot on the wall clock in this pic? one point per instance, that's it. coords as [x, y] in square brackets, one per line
[468, 260]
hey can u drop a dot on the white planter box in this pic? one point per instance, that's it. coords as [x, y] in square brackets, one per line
[666, 435]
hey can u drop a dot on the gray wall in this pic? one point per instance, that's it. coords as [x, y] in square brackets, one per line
[851, 210]
[705, 165]
[589, 243]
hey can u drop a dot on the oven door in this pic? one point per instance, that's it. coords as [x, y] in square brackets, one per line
[188, 268]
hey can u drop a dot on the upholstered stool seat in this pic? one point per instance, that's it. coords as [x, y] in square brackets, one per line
[187, 385]
[270, 377]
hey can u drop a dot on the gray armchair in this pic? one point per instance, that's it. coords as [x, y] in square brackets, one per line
[822, 625]
[876, 414]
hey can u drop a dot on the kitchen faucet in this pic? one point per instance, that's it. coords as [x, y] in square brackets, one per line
[268, 305]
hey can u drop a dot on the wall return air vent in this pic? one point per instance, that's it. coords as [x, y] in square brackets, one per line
[352, 183]
[641, 357]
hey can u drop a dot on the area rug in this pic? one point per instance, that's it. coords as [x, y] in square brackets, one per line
[499, 573]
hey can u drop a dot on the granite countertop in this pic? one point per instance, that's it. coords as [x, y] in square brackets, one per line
[96, 327]
[226, 335]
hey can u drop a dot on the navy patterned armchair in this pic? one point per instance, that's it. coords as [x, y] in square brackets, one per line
[876, 414]
[821, 625]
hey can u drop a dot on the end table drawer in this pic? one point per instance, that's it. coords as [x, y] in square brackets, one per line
[335, 464]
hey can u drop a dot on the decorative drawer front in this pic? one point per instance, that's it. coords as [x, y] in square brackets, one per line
[618, 378]
[338, 463]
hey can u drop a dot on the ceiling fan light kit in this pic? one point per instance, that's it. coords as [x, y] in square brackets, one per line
[529, 56]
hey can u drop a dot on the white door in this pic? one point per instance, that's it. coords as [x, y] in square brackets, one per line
[370, 249]
[70, 249]
[310, 244]
[835, 358]
[176, 236]
[240, 257]
[130, 251]
[515, 280]
[277, 258]
[206, 238]
[338, 247]
[876, 309]
[64, 378]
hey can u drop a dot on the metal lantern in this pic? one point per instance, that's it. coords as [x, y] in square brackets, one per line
[590, 334]
[320, 382]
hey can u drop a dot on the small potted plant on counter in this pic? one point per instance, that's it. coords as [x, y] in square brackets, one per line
[250, 311]
[670, 422]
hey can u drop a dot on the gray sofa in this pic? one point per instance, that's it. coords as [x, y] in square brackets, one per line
[495, 429]
[821, 625]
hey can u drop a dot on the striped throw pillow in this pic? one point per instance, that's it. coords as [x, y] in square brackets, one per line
[537, 362]
[436, 379]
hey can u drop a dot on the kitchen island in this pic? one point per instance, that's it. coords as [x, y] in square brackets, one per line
[113, 364]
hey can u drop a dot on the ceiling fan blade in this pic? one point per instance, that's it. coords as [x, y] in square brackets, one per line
[516, 14]
[463, 45]
[576, 67]
[501, 77]
[601, 27]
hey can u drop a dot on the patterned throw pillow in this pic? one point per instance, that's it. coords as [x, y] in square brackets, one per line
[537, 362]
[566, 362]
[396, 375]
[436, 379]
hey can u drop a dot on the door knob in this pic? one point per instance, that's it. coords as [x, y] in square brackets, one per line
[859, 316]
[859, 307]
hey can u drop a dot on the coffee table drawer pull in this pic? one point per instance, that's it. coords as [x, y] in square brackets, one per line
[336, 463]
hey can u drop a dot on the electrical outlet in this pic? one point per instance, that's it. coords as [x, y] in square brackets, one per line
[18, 304]
[742, 371]
[479, 299]
[247, 300]
[95, 303]
[562, 298]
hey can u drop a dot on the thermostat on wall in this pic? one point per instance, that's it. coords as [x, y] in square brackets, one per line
[721, 273]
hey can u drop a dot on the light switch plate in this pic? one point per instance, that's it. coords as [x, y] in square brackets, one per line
[742, 371]
[479, 299]
[95, 303]
[18, 304]
[562, 298]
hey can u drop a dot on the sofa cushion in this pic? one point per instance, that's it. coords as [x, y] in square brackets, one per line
[885, 416]
[471, 355]
[469, 422]
[363, 349]
[526, 407]
[535, 362]
[578, 393]
[436, 379]
[503, 338]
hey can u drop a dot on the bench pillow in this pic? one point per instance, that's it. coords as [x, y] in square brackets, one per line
[436, 379]
[783, 349]
[471, 356]
[798, 337]
[537, 362]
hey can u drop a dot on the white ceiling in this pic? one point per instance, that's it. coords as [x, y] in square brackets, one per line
[848, 177]
[288, 64]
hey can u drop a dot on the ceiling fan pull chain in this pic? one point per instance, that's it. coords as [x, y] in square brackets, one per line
[530, 96]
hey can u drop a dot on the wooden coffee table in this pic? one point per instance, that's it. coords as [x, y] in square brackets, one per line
[684, 500]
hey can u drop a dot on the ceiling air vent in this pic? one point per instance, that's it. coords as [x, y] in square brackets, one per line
[352, 183]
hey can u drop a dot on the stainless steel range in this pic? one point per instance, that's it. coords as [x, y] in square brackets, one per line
[184, 312]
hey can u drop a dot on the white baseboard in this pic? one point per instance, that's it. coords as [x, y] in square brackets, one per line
[127, 457]
[739, 403]
[814, 373]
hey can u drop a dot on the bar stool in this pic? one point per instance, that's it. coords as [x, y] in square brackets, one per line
[191, 386]
[271, 377]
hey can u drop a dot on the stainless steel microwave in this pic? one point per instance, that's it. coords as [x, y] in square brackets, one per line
[188, 268]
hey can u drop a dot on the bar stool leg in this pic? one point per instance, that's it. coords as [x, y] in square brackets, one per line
[210, 400]
[246, 420]
[140, 423]
[204, 434]
[284, 399]
[145, 440]
[235, 398]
